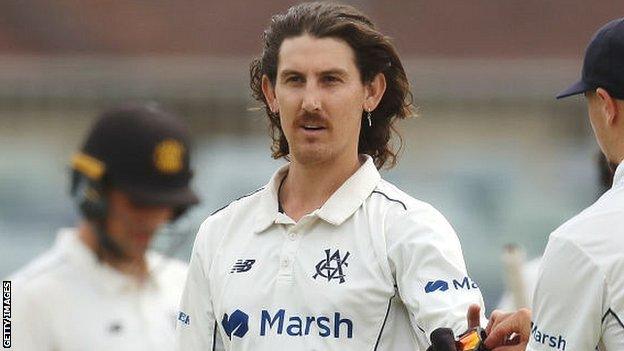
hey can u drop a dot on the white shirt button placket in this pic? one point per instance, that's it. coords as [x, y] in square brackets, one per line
[289, 250]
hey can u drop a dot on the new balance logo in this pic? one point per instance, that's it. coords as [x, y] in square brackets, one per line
[242, 266]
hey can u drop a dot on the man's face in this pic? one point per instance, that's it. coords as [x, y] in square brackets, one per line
[320, 98]
[132, 227]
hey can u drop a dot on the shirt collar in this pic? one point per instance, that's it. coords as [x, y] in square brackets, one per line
[340, 206]
[269, 202]
[618, 176]
[70, 245]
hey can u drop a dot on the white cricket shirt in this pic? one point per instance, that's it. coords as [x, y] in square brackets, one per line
[372, 269]
[578, 303]
[66, 300]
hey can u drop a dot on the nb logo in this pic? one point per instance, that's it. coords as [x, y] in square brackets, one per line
[242, 266]
[436, 285]
[237, 324]
[332, 266]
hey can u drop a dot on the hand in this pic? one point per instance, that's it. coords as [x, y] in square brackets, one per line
[443, 339]
[508, 331]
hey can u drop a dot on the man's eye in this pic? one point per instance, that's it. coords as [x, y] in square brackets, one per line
[294, 79]
[331, 79]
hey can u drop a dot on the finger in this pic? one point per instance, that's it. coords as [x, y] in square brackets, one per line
[518, 322]
[494, 319]
[473, 316]
[500, 333]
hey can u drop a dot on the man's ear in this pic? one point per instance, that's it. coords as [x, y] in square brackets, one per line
[609, 106]
[374, 92]
[269, 94]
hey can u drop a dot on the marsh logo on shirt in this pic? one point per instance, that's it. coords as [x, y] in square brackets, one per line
[184, 318]
[442, 285]
[436, 285]
[237, 323]
[332, 266]
[282, 323]
[555, 341]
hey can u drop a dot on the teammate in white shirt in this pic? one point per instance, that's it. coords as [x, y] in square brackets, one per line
[99, 288]
[326, 256]
[520, 295]
[578, 303]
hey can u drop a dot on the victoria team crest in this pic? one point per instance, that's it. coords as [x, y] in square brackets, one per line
[332, 267]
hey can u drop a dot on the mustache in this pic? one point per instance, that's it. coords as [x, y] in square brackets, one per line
[309, 117]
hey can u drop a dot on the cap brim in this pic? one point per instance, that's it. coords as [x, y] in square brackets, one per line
[182, 197]
[576, 88]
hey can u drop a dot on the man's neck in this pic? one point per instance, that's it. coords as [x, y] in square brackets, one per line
[307, 187]
[137, 268]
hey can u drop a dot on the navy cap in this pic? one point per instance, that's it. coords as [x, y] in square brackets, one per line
[603, 66]
[143, 151]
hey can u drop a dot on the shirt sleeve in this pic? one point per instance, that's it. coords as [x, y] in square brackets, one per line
[426, 260]
[567, 302]
[196, 326]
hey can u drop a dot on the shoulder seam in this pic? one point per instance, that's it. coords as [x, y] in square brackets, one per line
[391, 199]
[242, 197]
[582, 251]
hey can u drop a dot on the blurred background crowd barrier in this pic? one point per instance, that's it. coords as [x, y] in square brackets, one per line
[491, 148]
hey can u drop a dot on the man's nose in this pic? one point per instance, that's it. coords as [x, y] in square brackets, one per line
[311, 98]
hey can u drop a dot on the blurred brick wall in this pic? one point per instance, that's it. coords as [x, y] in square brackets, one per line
[449, 28]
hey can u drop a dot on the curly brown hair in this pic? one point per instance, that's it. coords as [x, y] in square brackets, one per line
[374, 54]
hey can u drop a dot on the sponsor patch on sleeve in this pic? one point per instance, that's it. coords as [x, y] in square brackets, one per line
[184, 318]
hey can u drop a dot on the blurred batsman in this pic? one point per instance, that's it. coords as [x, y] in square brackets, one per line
[578, 303]
[99, 287]
[328, 255]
